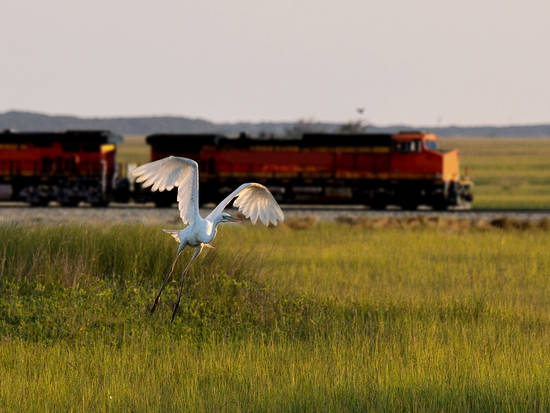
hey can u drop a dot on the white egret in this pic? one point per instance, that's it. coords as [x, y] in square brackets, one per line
[252, 199]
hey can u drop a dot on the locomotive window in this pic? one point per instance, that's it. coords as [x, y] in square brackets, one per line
[431, 145]
[90, 147]
[396, 146]
[406, 147]
[71, 147]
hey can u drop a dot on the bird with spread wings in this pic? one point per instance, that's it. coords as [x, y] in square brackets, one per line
[253, 200]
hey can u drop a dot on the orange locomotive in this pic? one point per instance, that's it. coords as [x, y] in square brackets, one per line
[378, 170]
[68, 167]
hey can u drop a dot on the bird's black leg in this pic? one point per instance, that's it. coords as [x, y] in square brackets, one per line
[165, 282]
[195, 255]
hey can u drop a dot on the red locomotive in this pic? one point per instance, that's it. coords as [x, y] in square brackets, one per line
[404, 169]
[68, 167]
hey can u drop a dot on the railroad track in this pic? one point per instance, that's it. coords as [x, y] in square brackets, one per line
[148, 213]
[289, 207]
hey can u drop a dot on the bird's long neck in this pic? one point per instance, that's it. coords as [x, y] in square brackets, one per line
[217, 220]
[214, 223]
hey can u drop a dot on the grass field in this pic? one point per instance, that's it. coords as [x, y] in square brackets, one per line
[333, 317]
[508, 173]
[133, 149]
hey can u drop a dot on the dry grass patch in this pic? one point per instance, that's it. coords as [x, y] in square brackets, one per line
[301, 223]
[454, 224]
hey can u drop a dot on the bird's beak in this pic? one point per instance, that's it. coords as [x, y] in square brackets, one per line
[233, 219]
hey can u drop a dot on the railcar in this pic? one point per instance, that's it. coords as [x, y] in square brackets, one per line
[404, 169]
[67, 167]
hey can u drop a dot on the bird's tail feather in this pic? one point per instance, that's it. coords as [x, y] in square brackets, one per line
[174, 233]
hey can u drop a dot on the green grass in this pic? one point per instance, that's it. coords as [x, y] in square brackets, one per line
[134, 149]
[331, 318]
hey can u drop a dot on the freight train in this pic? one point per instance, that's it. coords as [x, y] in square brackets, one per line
[404, 169]
[67, 167]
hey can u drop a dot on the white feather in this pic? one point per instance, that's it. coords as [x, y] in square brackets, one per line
[253, 201]
[167, 173]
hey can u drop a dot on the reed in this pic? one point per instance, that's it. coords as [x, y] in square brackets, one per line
[331, 317]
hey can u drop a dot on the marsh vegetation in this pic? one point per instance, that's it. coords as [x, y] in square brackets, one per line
[333, 316]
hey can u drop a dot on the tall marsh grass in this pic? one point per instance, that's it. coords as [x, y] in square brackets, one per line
[332, 317]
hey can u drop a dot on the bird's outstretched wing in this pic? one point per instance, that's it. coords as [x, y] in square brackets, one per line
[254, 201]
[171, 172]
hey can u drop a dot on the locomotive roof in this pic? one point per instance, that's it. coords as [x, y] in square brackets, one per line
[96, 136]
[244, 141]
[183, 138]
[347, 139]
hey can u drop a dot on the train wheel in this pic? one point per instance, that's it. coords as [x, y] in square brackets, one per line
[39, 203]
[68, 196]
[69, 204]
[440, 206]
[36, 196]
[378, 206]
[100, 204]
[409, 206]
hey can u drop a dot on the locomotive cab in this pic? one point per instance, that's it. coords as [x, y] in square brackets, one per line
[410, 142]
[429, 176]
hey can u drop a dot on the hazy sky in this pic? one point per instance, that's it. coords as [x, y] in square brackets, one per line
[419, 62]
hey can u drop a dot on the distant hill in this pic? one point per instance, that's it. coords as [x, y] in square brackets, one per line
[29, 121]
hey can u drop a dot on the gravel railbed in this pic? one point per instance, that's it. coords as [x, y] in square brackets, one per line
[149, 214]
